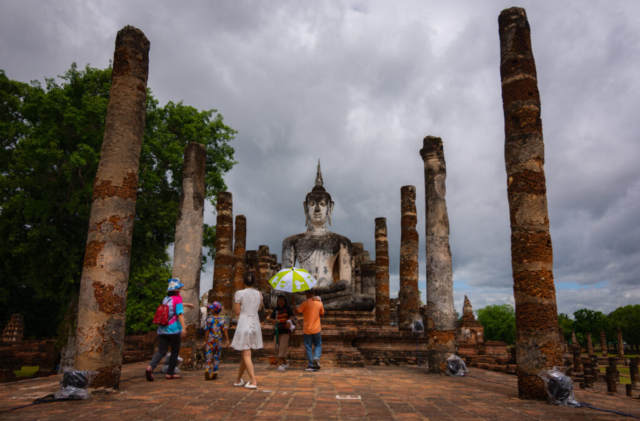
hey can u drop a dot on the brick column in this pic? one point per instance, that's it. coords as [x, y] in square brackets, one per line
[368, 274]
[589, 345]
[537, 343]
[356, 260]
[264, 266]
[603, 344]
[105, 275]
[222, 289]
[409, 295]
[440, 311]
[620, 345]
[383, 312]
[187, 252]
[239, 253]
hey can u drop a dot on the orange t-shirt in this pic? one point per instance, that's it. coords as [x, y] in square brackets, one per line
[311, 311]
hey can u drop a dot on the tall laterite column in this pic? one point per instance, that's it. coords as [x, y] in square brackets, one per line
[222, 289]
[440, 311]
[409, 296]
[239, 252]
[102, 302]
[187, 252]
[383, 309]
[538, 344]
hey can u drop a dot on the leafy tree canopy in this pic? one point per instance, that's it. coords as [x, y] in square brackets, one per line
[50, 142]
[499, 322]
[626, 318]
[566, 324]
[588, 321]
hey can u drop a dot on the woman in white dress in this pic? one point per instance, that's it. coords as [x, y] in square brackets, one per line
[248, 334]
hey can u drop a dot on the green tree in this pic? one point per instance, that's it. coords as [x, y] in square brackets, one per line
[626, 318]
[50, 138]
[567, 326]
[588, 321]
[499, 322]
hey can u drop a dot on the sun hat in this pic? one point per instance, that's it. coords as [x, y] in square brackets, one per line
[215, 306]
[174, 284]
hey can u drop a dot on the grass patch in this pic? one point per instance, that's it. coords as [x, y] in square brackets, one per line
[26, 371]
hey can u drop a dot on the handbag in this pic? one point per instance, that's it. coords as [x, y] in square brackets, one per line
[262, 314]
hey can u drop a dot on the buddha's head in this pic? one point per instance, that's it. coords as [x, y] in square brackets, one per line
[318, 205]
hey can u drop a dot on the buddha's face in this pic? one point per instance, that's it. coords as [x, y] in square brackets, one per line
[318, 210]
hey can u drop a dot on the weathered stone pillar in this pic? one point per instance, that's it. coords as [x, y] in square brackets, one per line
[620, 345]
[634, 373]
[383, 311]
[187, 252]
[409, 295]
[239, 251]
[603, 344]
[611, 380]
[368, 273]
[264, 270]
[357, 251]
[577, 359]
[589, 345]
[105, 275]
[440, 311]
[253, 262]
[613, 365]
[222, 289]
[595, 367]
[537, 342]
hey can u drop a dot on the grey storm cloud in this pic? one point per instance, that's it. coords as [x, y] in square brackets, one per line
[358, 85]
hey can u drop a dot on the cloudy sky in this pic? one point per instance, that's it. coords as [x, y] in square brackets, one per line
[358, 85]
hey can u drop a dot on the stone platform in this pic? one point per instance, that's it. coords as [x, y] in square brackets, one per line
[335, 393]
[349, 339]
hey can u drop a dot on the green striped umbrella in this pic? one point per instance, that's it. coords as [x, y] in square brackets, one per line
[292, 280]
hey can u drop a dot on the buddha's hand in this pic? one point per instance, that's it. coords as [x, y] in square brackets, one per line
[334, 287]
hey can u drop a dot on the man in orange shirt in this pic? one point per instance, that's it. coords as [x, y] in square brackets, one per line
[311, 310]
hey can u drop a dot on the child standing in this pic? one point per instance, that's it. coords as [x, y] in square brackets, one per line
[214, 327]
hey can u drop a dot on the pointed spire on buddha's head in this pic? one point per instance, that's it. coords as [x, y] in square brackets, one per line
[319, 182]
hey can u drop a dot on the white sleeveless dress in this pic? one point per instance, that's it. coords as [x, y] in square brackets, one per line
[248, 333]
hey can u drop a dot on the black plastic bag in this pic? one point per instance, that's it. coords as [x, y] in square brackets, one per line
[75, 384]
[455, 366]
[559, 388]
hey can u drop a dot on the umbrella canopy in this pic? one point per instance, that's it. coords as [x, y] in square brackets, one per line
[292, 280]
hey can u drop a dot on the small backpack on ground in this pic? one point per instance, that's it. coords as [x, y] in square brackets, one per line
[162, 314]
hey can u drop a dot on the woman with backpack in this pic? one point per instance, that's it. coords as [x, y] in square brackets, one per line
[171, 330]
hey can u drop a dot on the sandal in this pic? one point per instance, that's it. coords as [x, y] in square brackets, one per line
[174, 377]
[149, 374]
[250, 386]
[239, 384]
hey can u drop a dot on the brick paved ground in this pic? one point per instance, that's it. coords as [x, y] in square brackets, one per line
[387, 393]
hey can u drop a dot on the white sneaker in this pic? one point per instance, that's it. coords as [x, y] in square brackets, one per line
[285, 365]
[281, 368]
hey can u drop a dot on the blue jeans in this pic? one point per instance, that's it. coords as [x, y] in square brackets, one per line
[315, 340]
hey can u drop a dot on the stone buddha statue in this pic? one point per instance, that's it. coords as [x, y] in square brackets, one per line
[326, 255]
